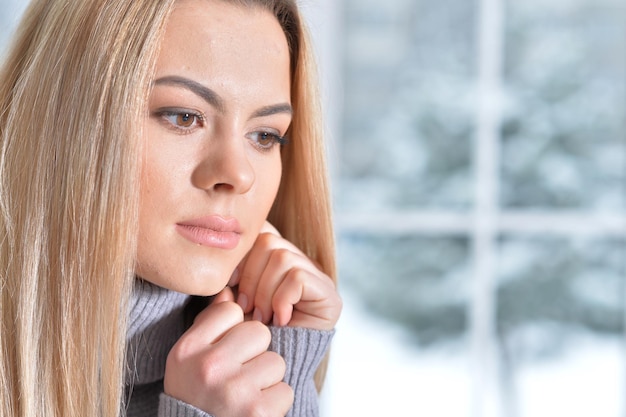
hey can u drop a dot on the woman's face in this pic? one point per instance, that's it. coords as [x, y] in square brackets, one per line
[219, 108]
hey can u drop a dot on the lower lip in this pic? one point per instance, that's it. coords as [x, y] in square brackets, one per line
[209, 237]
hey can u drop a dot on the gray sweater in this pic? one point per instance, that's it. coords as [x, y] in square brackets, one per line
[157, 320]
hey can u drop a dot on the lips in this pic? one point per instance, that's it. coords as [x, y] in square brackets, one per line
[211, 231]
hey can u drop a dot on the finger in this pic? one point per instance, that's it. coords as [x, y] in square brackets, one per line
[245, 341]
[212, 323]
[279, 397]
[225, 295]
[251, 269]
[236, 275]
[290, 292]
[280, 263]
[256, 263]
[304, 291]
[265, 370]
[269, 228]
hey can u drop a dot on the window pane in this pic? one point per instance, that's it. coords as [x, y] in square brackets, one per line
[560, 325]
[421, 282]
[564, 137]
[408, 117]
[10, 12]
[406, 310]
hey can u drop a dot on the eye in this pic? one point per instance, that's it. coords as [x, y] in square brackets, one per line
[180, 120]
[266, 140]
[185, 119]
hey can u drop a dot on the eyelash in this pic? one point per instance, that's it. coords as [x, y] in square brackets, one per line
[275, 138]
[166, 114]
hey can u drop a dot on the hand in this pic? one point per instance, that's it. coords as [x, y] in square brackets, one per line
[279, 284]
[221, 365]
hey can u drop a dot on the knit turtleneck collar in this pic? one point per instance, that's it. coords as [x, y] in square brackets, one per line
[156, 323]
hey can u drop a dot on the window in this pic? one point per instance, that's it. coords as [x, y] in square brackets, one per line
[10, 11]
[479, 164]
[480, 181]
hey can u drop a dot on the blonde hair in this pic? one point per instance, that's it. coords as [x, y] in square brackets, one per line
[302, 210]
[72, 97]
[73, 94]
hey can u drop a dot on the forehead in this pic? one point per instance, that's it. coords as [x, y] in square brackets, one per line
[221, 44]
[215, 24]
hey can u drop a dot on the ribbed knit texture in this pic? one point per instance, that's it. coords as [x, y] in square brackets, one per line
[171, 407]
[157, 322]
[303, 350]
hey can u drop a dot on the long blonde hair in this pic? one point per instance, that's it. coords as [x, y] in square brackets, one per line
[302, 210]
[73, 94]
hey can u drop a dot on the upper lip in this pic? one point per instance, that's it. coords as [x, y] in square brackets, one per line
[215, 222]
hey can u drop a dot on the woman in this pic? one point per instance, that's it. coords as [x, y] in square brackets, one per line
[152, 151]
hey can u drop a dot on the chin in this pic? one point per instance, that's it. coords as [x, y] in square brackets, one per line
[201, 286]
[192, 283]
[205, 283]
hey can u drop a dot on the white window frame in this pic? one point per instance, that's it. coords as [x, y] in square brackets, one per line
[486, 221]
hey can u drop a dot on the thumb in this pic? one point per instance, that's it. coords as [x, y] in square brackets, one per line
[225, 295]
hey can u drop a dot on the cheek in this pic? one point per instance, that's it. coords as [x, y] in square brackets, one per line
[268, 178]
[151, 190]
[271, 178]
[163, 171]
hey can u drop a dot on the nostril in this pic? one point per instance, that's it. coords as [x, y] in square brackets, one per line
[223, 186]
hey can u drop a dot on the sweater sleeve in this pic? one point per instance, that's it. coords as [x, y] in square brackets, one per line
[303, 350]
[171, 407]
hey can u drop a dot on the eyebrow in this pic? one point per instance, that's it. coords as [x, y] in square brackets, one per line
[212, 98]
[274, 109]
[198, 89]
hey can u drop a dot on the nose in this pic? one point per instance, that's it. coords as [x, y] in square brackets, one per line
[224, 167]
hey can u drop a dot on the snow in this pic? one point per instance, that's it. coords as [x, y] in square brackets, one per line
[586, 382]
[375, 371]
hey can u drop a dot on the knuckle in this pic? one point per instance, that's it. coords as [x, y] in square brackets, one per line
[182, 350]
[287, 392]
[260, 331]
[298, 276]
[266, 239]
[230, 309]
[277, 361]
[227, 308]
[287, 395]
[211, 368]
[281, 256]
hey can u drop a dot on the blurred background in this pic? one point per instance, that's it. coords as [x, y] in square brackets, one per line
[478, 156]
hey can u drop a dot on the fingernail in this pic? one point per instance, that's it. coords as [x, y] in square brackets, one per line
[242, 300]
[257, 315]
